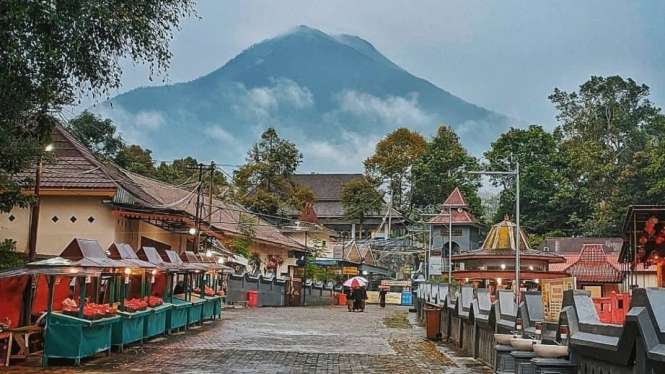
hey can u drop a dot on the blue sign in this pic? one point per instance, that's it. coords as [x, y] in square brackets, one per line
[407, 298]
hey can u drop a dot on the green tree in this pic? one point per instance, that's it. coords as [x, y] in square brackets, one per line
[98, 134]
[546, 204]
[137, 160]
[264, 182]
[361, 197]
[604, 127]
[180, 173]
[393, 159]
[444, 166]
[54, 51]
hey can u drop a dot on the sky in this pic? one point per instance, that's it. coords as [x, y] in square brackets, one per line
[506, 55]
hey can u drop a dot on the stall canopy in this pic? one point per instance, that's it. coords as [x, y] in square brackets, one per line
[124, 252]
[151, 255]
[81, 253]
[172, 257]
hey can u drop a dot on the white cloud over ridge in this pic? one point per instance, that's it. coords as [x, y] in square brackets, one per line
[394, 111]
[262, 103]
[135, 128]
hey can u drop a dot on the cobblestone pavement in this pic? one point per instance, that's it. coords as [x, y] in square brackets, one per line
[280, 340]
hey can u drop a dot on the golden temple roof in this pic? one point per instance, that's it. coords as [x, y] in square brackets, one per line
[502, 237]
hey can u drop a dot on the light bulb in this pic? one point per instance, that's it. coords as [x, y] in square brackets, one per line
[192, 231]
[48, 148]
[127, 271]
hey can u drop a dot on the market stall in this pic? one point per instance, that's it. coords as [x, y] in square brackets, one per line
[128, 294]
[178, 311]
[81, 328]
[206, 284]
[190, 274]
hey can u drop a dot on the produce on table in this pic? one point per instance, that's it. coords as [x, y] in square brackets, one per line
[209, 291]
[91, 311]
[155, 301]
[135, 305]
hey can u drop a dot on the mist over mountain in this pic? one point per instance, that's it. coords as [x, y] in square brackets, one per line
[334, 96]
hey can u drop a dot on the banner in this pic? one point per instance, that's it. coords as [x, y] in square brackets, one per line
[349, 271]
[552, 290]
[391, 283]
[391, 297]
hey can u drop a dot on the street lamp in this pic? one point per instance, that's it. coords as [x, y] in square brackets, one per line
[34, 218]
[516, 173]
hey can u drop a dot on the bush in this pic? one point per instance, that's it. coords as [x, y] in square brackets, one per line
[9, 258]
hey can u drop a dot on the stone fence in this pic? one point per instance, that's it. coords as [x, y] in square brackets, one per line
[469, 320]
[272, 291]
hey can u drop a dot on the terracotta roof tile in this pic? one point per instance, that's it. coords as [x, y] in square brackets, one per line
[73, 166]
[225, 216]
[325, 186]
[309, 215]
[457, 217]
[593, 266]
[455, 199]
[612, 259]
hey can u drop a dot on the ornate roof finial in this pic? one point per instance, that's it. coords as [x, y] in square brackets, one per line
[506, 217]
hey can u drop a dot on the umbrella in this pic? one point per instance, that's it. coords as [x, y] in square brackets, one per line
[355, 282]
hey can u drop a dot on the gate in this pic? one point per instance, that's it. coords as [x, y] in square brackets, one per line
[294, 291]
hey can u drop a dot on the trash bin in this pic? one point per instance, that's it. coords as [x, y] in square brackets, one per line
[432, 322]
[341, 299]
[252, 298]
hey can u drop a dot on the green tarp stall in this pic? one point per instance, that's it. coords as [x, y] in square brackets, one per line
[177, 316]
[128, 328]
[207, 278]
[175, 311]
[76, 338]
[154, 321]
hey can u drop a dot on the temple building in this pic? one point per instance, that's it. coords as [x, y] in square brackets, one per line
[493, 264]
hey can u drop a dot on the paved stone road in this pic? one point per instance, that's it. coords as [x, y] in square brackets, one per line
[280, 340]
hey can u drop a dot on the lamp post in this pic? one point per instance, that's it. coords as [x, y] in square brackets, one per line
[516, 173]
[450, 242]
[34, 217]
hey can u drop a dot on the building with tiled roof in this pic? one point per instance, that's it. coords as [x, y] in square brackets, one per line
[82, 197]
[593, 268]
[329, 209]
[494, 263]
[455, 222]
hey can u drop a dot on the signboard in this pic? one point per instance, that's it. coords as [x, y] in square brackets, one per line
[391, 297]
[349, 271]
[553, 296]
[435, 266]
[391, 283]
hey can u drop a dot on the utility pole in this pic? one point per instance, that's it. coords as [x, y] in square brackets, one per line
[197, 220]
[34, 217]
[516, 173]
[450, 244]
[390, 215]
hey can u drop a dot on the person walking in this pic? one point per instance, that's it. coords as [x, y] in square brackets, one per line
[349, 298]
[382, 298]
[357, 298]
[363, 297]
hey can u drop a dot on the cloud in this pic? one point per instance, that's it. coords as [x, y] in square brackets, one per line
[263, 103]
[393, 111]
[134, 128]
[217, 132]
[344, 155]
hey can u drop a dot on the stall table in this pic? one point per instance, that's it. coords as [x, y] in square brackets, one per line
[75, 338]
[155, 322]
[176, 317]
[21, 337]
[196, 311]
[6, 335]
[128, 328]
